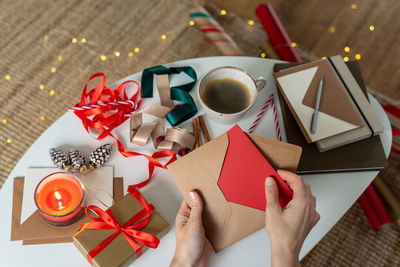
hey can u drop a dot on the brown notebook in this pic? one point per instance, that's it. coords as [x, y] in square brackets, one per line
[363, 155]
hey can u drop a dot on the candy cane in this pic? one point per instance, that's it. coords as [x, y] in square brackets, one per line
[270, 102]
[117, 103]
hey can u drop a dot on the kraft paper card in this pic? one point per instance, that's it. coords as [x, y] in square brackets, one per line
[338, 113]
[99, 178]
[229, 173]
[35, 230]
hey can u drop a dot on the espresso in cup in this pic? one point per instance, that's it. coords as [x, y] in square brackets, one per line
[227, 96]
[227, 93]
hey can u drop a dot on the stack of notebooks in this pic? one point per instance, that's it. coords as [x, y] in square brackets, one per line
[346, 137]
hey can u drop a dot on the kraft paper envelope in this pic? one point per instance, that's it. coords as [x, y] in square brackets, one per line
[338, 112]
[35, 230]
[227, 222]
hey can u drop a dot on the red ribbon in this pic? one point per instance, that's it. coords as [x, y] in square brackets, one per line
[130, 230]
[106, 117]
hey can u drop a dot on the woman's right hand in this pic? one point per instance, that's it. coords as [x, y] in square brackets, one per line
[288, 228]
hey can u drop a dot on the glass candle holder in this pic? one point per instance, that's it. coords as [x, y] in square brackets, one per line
[59, 198]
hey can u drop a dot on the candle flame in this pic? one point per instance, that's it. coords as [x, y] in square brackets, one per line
[57, 195]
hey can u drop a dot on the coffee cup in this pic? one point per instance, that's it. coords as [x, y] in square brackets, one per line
[227, 93]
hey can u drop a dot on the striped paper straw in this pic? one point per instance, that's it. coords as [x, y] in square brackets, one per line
[207, 24]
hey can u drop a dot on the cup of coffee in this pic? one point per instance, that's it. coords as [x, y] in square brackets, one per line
[227, 93]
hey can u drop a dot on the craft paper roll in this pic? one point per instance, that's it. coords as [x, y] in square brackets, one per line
[373, 208]
[217, 35]
[389, 198]
[276, 33]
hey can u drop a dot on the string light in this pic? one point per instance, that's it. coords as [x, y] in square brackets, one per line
[116, 53]
[4, 121]
[52, 92]
[41, 86]
[372, 28]
[59, 58]
[294, 44]
[323, 57]
[9, 141]
[83, 40]
[223, 12]
[163, 37]
[346, 59]
[347, 49]
[103, 58]
[45, 37]
[53, 69]
[7, 77]
[353, 6]
[332, 29]
[74, 40]
[191, 23]
[42, 118]
[130, 54]
[358, 56]
[250, 22]
[263, 55]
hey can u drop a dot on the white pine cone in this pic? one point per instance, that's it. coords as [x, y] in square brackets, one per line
[77, 159]
[99, 156]
[59, 158]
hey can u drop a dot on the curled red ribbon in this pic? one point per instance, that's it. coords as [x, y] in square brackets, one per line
[103, 109]
[130, 230]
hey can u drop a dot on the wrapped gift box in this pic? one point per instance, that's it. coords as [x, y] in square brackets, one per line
[119, 252]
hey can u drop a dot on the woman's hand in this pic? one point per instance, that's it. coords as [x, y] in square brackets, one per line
[192, 246]
[288, 228]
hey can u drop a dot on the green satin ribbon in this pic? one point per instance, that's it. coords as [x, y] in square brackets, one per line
[180, 93]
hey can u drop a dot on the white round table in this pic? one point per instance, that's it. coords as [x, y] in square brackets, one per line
[335, 193]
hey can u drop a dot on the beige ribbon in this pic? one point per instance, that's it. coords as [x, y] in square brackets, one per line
[140, 132]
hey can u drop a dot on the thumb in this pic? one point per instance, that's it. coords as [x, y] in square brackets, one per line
[271, 195]
[196, 205]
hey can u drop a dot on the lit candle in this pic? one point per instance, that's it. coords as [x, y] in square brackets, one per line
[59, 198]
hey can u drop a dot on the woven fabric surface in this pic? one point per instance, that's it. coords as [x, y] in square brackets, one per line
[50, 48]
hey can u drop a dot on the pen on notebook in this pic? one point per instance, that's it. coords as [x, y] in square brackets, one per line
[316, 107]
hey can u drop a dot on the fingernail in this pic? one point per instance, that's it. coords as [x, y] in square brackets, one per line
[269, 181]
[192, 195]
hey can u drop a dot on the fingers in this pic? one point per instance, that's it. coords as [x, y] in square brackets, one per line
[183, 215]
[315, 219]
[196, 204]
[272, 196]
[316, 215]
[297, 184]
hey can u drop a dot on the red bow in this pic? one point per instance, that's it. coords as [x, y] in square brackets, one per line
[130, 229]
[104, 109]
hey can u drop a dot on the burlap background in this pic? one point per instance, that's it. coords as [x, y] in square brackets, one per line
[33, 34]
